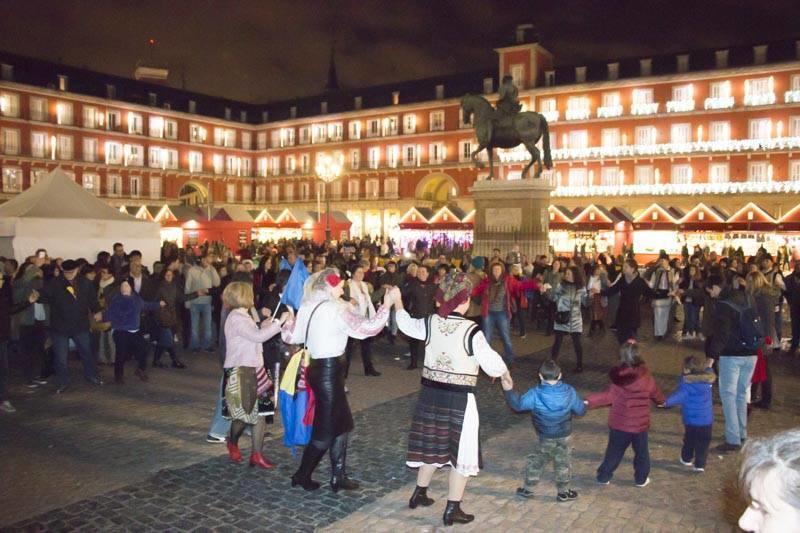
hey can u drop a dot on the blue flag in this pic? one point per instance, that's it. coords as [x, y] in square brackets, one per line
[284, 264]
[293, 292]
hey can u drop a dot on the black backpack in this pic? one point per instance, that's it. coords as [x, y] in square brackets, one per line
[751, 329]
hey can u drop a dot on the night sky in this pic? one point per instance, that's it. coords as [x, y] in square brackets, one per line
[261, 51]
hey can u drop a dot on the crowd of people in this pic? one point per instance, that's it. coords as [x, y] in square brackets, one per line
[212, 299]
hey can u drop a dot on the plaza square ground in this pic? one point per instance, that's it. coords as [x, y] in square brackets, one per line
[134, 458]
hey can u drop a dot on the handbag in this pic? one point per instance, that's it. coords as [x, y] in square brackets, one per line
[562, 317]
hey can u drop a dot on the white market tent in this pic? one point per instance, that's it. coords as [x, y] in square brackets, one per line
[60, 216]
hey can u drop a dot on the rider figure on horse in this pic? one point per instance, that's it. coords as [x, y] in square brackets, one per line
[508, 104]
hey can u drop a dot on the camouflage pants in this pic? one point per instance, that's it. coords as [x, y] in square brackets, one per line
[557, 450]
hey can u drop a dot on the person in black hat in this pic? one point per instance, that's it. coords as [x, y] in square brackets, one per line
[72, 299]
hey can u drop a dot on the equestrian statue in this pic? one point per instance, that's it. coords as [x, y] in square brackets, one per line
[506, 127]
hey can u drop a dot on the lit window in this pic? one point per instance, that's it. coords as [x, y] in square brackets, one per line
[577, 108]
[9, 141]
[12, 179]
[609, 137]
[9, 104]
[758, 172]
[409, 123]
[760, 128]
[436, 153]
[719, 131]
[579, 139]
[611, 105]
[548, 109]
[645, 135]
[680, 133]
[355, 159]
[719, 95]
[195, 161]
[681, 175]
[759, 91]
[578, 177]
[642, 102]
[38, 144]
[374, 157]
[682, 99]
[197, 133]
[794, 170]
[155, 187]
[135, 124]
[291, 164]
[38, 108]
[718, 173]
[392, 156]
[437, 121]
[354, 132]
[644, 175]
[409, 155]
[611, 177]
[156, 127]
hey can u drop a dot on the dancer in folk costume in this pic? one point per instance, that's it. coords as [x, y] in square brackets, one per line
[444, 429]
[329, 321]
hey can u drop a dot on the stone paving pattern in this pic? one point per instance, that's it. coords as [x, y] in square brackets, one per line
[134, 459]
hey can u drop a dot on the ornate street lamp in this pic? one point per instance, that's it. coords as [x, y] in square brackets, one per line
[328, 169]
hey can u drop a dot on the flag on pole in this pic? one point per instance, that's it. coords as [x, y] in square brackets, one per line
[293, 292]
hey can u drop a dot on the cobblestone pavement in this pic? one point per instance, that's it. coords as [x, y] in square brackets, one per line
[134, 460]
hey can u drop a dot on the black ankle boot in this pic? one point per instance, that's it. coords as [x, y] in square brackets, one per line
[311, 458]
[454, 515]
[420, 497]
[307, 484]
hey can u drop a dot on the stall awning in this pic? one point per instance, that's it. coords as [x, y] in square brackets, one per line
[751, 218]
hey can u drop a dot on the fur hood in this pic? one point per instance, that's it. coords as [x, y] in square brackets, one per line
[705, 377]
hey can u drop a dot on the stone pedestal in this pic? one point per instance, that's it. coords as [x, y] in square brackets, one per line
[509, 213]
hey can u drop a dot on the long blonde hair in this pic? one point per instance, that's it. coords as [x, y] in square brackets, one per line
[756, 282]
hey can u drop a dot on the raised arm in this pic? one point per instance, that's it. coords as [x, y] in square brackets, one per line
[249, 330]
[413, 327]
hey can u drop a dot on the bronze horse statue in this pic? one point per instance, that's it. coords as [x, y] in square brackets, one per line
[524, 128]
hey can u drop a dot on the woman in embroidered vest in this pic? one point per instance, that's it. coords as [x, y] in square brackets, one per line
[244, 364]
[444, 428]
[329, 321]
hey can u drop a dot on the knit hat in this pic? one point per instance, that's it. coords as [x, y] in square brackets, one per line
[454, 290]
[478, 262]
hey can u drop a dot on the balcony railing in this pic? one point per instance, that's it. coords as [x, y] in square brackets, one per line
[680, 106]
[550, 116]
[577, 114]
[666, 189]
[719, 102]
[609, 111]
[791, 97]
[766, 98]
[644, 109]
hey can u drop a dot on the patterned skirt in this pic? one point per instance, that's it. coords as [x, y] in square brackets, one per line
[241, 394]
[439, 435]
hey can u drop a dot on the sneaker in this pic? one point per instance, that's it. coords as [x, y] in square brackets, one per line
[40, 381]
[213, 439]
[523, 336]
[698, 470]
[604, 482]
[32, 385]
[524, 492]
[6, 407]
[727, 448]
[567, 496]
[646, 482]
[685, 463]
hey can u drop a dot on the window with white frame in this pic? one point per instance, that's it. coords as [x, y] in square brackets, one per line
[464, 151]
[305, 191]
[336, 190]
[305, 134]
[759, 91]
[225, 137]
[758, 172]
[392, 156]
[760, 128]
[305, 163]
[197, 133]
[135, 124]
[262, 167]
[65, 147]
[517, 72]
[275, 193]
[548, 105]
[275, 165]
[113, 120]
[247, 140]
[155, 127]
[261, 193]
[681, 174]
[287, 136]
[114, 185]
[36, 175]
[578, 177]
[134, 155]
[794, 170]
[170, 129]
[155, 187]
[352, 189]
[135, 183]
[335, 131]
[464, 121]
[409, 155]
[38, 144]
[275, 139]
[680, 133]
[355, 159]
[261, 140]
[611, 177]
[318, 133]
[247, 166]
[64, 115]
[12, 179]
[374, 157]
[645, 135]
[247, 193]
[230, 192]
[195, 161]
[232, 165]
[579, 139]
[794, 126]
[291, 164]
[288, 192]
[113, 151]
[154, 157]
[609, 137]
[90, 150]
[354, 130]
[436, 153]
[642, 102]
[38, 110]
[611, 106]
[683, 93]
[719, 131]
[389, 126]
[794, 82]
[719, 95]
[218, 163]
[577, 108]
[409, 123]
[90, 116]
[436, 120]
[390, 188]
[373, 127]
[372, 188]
[644, 175]
[718, 172]
[9, 139]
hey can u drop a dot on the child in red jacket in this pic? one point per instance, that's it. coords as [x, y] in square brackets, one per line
[631, 391]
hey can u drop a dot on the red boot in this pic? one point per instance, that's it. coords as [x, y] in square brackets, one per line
[233, 452]
[256, 459]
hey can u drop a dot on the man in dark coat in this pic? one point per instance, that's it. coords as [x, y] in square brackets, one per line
[420, 298]
[631, 288]
[72, 298]
[793, 297]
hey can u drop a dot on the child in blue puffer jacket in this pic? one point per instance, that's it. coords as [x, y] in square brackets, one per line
[694, 395]
[552, 405]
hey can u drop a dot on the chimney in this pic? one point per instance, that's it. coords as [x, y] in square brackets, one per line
[683, 62]
[192, 106]
[243, 116]
[111, 91]
[549, 78]
[721, 58]
[613, 71]
[645, 67]
[358, 102]
[760, 54]
[227, 113]
[521, 29]
[395, 97]
[440, 92]
[7, 72]
[323, 108]
[293, 112]
[152, 99]
[580, 74]
[265, 116]
[63, 82]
